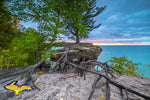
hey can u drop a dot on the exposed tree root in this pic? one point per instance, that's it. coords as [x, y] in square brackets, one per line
[63, 65]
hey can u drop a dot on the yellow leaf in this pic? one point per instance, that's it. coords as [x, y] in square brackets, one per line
[41, 73]
[37, 84]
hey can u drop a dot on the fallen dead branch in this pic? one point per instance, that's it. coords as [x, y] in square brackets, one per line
[13, 74]
[63, 65]
[93, 87]
[146, 97]
[28, 68]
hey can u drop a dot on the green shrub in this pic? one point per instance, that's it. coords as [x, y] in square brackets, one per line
[126, 66]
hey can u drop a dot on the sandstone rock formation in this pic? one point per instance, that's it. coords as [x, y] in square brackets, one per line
[70, 86]
[77, 53]
[59, 86]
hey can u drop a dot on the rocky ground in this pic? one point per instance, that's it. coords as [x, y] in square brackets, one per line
[73, 87]
[70, 86]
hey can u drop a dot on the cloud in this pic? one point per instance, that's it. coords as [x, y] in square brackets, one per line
[124, 21]
[140, 40]
[113, 17]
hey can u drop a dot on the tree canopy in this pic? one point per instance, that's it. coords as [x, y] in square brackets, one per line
[8, 27]
[80, 28]
[54, 18]
[23, 49]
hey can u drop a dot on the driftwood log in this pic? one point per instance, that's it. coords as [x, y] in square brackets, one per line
[20, 70]
[15, 73]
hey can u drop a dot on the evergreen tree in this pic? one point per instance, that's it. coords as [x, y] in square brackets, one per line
[79, 29]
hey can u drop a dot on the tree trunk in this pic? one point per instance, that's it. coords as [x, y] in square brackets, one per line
[38, 44]
[77, 37]
[37, 53]
[8, 64]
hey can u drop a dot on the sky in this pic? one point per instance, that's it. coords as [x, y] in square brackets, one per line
[123, 22]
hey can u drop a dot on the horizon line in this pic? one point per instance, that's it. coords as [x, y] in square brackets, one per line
[117, 44]
[101, 43]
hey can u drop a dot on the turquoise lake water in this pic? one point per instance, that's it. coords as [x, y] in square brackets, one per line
[138, 54]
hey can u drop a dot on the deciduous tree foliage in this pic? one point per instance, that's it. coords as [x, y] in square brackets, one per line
[28, 47]
[53, 18]
[23, 50]
[8, 27]
[126, 66]
[58, 16]
[48, 14]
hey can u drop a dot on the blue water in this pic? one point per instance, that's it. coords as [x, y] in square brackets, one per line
[138, 54]
[56, 48]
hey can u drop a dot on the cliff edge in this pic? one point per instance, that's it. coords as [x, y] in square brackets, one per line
[70, 86]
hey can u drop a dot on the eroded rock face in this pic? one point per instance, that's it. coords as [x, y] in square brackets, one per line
[84, 53]
[80, 53]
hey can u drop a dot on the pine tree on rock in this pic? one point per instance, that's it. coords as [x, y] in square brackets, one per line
[79, 29]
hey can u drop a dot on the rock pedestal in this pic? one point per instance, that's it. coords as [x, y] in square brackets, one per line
[78, 53]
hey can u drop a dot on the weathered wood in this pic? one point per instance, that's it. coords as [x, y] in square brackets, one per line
[28, 68]
[121, 93]
[108, 66]
[29, 80]
[102, 65]
[107, 84]
[63, 60]
[107, 90]
[10, 78]
[60, 59]
[11, 70]
[93, 87]
[112, 82]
